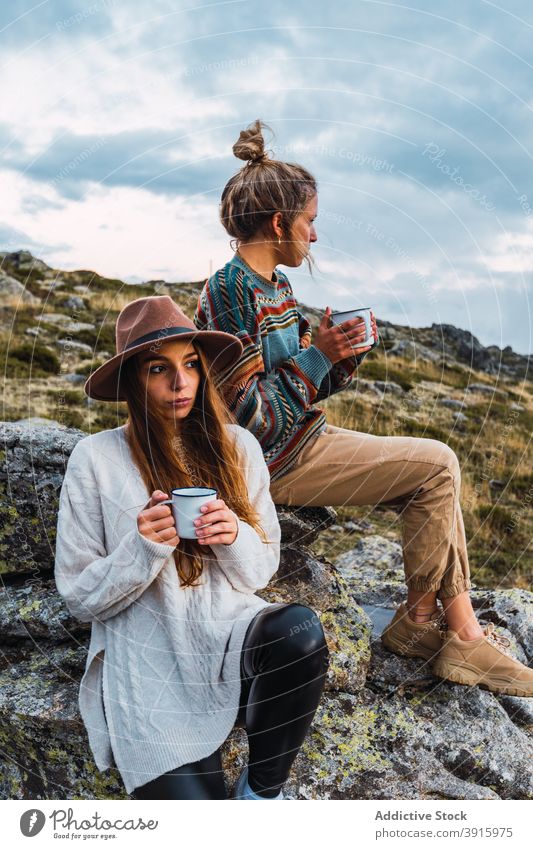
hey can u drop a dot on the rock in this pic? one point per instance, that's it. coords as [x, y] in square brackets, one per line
[71, 345]
[389, 386]
[460, 418]
[520, 711]
[75, 378]
[302, 525]
[386, 728]
[387, 331]
[35, 610]
[456, 345]
[55, 318]
[34, 456]
[358, 526]
[74, 302]
[373, 571]
[66, 323]
[387, 757]
[78, 326]
[414, 350]
[452, 402]
[42, 737]
[37, 422]
[473, 737]
[50, 285]
[368, 386]
[462, 344]
[11, 288]
[486, 390]
[511, 609]
[518, 407]
[24, 261]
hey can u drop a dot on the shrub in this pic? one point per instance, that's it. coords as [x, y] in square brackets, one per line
[497, 517]
[102, 338]
[27, 358]
[377, 369]
[88, 367]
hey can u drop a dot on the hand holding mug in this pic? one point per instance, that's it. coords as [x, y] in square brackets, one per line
[156, 521]
[338, 341]
[217, 524]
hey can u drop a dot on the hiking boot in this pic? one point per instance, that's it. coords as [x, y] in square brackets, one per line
[485, 661]
[414, 639]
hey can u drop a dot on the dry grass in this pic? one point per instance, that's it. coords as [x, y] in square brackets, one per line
[488, 448]
[494, 446]
[112, 301]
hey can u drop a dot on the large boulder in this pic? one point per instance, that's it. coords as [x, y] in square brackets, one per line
[14, 290]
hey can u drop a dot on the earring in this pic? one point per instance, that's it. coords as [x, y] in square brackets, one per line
[279, 240]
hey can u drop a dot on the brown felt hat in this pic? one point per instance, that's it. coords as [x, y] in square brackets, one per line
[153, 321]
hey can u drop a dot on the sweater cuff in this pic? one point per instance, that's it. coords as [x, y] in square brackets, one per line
[153, 552]
[242, 547]
[314, 363]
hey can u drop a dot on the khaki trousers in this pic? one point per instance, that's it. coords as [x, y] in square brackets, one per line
[422, 477]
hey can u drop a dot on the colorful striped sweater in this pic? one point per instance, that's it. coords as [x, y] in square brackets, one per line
[272, 388]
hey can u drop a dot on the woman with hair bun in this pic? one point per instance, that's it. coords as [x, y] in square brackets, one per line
[269, 208]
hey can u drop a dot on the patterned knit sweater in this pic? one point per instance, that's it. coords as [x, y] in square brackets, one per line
[273, 386]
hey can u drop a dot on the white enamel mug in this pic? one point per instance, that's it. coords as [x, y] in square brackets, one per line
[364, 313]
[185, 505]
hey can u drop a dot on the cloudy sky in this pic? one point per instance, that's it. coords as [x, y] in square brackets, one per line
[416, 118]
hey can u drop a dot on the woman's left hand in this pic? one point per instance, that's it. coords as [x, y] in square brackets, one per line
[217, 524]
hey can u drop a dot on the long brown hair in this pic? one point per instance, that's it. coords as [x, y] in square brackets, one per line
[262, 187]
[211, 459]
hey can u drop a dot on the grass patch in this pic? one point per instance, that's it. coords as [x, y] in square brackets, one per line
[73, 418]
[378, 368]
[101, 338]
[110, 416]
[521, 485]
[31, 360]
[85, 369]
[71, 397]
[498, 518]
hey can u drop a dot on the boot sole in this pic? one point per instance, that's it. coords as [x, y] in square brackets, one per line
[470, 676]
[399, 648]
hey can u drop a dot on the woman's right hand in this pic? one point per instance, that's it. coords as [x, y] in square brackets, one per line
[339, 341]
[156, 520]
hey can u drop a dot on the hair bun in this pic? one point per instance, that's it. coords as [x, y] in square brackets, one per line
[250, 145]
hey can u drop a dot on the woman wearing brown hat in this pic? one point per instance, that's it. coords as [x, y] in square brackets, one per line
[181, 647]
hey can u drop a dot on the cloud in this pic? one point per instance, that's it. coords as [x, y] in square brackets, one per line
[415, 119]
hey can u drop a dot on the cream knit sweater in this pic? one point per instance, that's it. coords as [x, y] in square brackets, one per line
[163, 660]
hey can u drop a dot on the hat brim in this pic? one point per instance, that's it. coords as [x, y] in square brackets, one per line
[223, 350]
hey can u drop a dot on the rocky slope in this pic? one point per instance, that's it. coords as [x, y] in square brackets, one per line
[23, 274]
[385, 728]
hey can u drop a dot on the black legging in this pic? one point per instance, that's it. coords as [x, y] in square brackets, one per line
[284, 661]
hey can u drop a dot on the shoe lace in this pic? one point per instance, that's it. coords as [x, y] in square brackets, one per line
[498, 640]
[440, 623]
